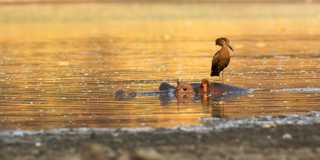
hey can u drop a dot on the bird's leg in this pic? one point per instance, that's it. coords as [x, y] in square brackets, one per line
[222, 76]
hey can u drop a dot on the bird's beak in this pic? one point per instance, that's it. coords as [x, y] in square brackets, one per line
[230, 47]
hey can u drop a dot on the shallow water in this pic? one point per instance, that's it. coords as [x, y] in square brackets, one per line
[61, 64]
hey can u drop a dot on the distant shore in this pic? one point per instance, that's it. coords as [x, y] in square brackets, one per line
[12, 2]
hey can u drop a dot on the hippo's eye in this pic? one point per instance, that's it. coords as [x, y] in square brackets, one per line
[184, 89]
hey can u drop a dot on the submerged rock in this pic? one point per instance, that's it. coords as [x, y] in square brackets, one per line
[287, 136]
[147, 154]
[94, 151]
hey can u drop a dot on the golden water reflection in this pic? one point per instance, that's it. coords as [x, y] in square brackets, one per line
[61, 64]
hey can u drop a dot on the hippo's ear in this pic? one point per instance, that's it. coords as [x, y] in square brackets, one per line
[178, 81]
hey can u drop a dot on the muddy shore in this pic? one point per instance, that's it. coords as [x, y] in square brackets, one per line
[281, 142]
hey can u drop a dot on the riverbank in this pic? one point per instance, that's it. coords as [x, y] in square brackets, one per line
[295, 139]
[285, 142]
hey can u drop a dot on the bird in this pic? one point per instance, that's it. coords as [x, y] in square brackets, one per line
[222, 57]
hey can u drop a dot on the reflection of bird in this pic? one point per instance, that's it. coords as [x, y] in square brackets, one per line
[222, 58]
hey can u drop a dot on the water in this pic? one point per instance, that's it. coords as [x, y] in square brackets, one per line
[61, 64]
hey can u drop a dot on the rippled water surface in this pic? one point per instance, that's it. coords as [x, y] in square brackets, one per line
[61, 64]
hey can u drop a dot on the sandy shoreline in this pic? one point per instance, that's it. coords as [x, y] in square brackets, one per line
[287, 142]
[256, 138]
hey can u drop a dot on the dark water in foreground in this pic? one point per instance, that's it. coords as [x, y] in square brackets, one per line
[60, 66]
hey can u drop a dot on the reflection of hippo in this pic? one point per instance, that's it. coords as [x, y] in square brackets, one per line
[123, 95]
[187, 91]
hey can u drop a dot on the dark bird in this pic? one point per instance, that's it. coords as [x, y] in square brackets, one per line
[222, 58]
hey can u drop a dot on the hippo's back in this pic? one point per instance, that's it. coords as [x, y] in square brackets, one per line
[227, 88]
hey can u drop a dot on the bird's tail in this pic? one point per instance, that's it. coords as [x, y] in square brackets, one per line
[214, 72]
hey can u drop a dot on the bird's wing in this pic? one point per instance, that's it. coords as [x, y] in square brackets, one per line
[215, 58]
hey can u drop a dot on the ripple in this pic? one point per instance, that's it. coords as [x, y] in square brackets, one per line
[211, 125]
[298, 90]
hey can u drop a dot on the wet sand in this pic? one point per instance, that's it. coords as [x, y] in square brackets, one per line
[282, 142]
[261, 138]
